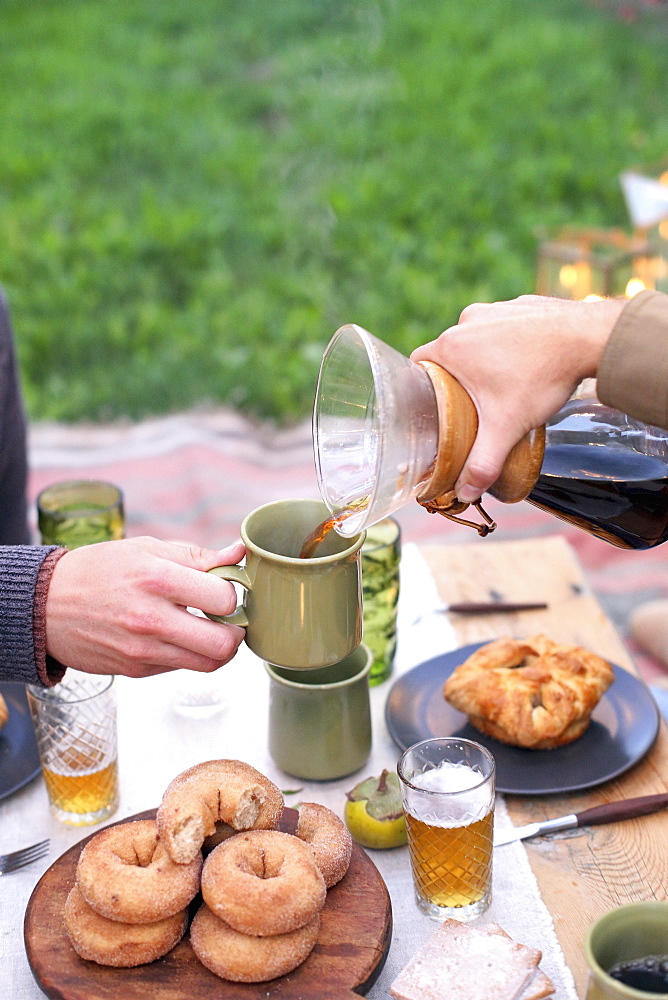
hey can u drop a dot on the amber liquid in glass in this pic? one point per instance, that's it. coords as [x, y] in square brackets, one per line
[451, 864]
[618, 495]
[90, 792]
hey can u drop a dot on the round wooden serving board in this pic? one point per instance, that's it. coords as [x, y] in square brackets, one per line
[350, 952]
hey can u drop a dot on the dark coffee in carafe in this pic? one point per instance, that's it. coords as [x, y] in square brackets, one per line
[616, 494]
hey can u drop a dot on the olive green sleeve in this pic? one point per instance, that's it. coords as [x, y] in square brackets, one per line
[633, 373]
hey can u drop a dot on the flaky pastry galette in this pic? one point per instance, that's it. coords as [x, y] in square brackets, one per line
[532, 693]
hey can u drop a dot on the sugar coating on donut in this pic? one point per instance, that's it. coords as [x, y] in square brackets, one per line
[109, 942]
[228, 791]
[125, 873]
[329, 839]
[263, 882]
[244, 958]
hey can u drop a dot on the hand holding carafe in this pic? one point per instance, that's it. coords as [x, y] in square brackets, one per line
[520, 359]
[388, 429]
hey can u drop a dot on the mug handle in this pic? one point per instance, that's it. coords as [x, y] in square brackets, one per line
[235, 574]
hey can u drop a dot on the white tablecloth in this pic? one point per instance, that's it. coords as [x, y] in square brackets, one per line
[156, 743]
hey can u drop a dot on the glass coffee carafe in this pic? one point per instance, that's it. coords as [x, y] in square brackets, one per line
[387, 431]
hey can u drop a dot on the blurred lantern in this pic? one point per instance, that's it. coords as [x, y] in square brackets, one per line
[593, 263]
[590, 264]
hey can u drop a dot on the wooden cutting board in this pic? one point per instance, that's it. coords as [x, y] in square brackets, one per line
[350, 952]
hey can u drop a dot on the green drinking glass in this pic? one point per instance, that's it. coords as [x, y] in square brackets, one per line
[80, 512]
[381, 555]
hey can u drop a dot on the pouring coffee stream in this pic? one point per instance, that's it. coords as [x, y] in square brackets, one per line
[387, 430]
[321, 531]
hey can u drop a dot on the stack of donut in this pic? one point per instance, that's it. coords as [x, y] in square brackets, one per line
[263, 890]
[129, 903]
[263, 894]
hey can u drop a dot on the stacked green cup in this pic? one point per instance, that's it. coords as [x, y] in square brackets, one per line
[381, 554]
[320, 720]
[79, 513]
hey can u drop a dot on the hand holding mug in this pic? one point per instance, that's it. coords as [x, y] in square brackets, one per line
[119, 607]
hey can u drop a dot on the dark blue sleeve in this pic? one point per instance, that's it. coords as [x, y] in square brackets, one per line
[13, 458]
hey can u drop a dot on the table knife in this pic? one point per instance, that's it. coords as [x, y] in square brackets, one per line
[482, 608]
[490, 607]
[609, 812]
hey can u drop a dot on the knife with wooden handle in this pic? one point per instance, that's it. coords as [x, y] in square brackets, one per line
[491, 607]
[609, 812]
[483, 608]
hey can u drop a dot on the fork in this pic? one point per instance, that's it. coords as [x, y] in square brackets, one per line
[25, 856]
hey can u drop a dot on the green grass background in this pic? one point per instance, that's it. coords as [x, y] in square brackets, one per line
[194, 196]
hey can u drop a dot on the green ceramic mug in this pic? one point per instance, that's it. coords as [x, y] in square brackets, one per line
[320, 720]
[626, 933]
[298, 613]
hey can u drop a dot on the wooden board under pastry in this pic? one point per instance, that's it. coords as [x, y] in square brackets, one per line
[352, 945]
[583, 873]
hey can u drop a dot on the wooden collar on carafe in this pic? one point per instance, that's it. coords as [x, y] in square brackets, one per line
[457, 429]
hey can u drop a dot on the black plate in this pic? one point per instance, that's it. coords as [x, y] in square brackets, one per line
[624, 725]
[19, 758]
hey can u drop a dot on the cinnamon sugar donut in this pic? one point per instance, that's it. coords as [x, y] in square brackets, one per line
[216, 790]
[329, 839]
[109, 942]
[243, 958]
[124, 873]
[263, 882]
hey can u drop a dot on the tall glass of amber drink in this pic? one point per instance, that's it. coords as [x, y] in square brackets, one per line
[448, 798]
[80, 512]
[75, 726]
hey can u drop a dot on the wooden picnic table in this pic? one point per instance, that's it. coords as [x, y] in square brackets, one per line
[590, 870]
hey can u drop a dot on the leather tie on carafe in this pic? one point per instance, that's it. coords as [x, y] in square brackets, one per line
[457, 429]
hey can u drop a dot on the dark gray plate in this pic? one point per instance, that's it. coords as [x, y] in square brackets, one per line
[19, 759]
[624, 725]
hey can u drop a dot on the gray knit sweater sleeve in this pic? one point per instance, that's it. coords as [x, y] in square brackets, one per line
[19, 569]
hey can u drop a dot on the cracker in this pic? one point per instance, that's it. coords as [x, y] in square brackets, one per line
[461, 962]
[541, 986]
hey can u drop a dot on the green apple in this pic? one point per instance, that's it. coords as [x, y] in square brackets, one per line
[373, 812]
